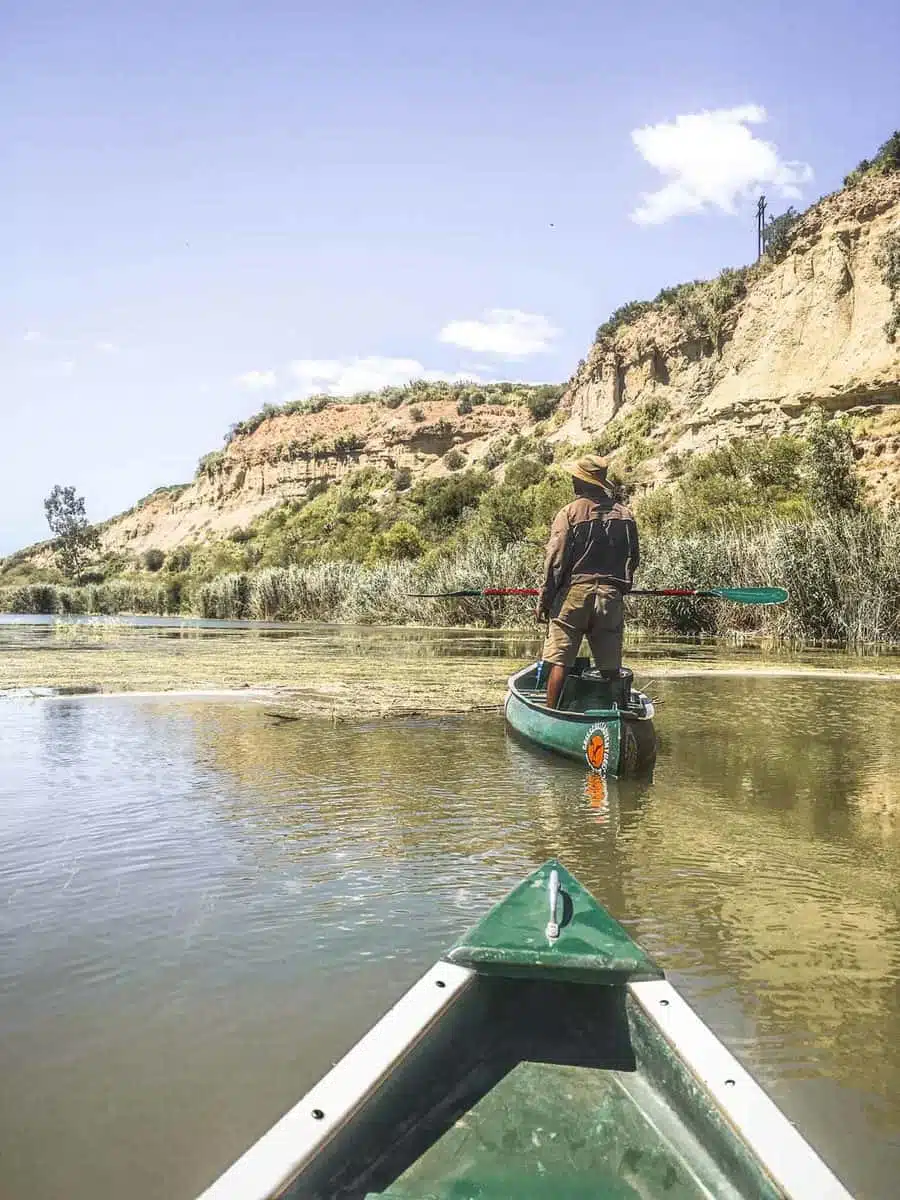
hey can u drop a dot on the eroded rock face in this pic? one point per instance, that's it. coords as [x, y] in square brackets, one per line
[287, 455]
[599, 398]
[810, 329]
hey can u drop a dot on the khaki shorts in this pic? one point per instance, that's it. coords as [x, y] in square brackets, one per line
[591, 610]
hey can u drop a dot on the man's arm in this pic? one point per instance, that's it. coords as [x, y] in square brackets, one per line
[556, 563]
[636, 547]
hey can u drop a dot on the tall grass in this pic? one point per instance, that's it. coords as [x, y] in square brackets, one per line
[349, 593]
[842, 572]
[105, 599]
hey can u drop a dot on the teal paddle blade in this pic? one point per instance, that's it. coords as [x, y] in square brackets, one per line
[758, 595]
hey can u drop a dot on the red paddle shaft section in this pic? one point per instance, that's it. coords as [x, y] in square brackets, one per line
[636, 592]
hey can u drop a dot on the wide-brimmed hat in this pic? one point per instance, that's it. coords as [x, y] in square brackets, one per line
[591, 469]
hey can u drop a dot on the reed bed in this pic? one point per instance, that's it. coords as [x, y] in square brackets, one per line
[100, 599]
[842, 572]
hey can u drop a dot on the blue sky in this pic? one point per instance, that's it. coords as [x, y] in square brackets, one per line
[206, 206]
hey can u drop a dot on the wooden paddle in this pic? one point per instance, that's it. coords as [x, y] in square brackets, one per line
[747, 595]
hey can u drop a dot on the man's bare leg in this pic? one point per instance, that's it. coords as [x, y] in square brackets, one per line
[555, 681]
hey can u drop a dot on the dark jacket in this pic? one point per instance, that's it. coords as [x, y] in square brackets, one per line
[591, 540]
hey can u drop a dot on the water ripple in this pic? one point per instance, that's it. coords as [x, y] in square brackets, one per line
[197, 902]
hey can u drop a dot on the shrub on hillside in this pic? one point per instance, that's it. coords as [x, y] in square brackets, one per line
[392, 397]
[496, 452]
[521, 507]
[701, 304]
[747, 481]
[399, 543]
[888, 259]
[779, 233]
[153, 559]
[886, 160]
[623, 315]
[179, 559]
[416, 413]
[543, 400]
[443, 501]
[210, 463]
[454, 459]
[523, 472]
[626, 432]
[833, 482]
[345, 445]
[705, 306]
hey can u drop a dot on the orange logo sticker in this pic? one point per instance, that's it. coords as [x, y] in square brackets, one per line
[595, 749]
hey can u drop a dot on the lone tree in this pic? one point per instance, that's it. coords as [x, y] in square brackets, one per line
[76, 538]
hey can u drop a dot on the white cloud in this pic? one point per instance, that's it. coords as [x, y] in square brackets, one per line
[257, 381]
[712, 160]
[334, 377]
[32, 336]
[506, 332]
[322, 370]
[106, 347]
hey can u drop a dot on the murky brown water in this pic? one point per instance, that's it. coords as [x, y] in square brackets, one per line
[202, 908]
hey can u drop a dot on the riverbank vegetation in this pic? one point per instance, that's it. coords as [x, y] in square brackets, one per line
[786, 510]
[842, 570]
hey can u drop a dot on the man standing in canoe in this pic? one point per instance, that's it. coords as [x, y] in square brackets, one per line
[591, 559]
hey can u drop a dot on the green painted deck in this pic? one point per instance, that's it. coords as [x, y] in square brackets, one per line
[567, 1133]
[591, 946]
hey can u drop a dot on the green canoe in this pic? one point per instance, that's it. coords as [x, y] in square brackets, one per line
[545, 1055]
[604, 724]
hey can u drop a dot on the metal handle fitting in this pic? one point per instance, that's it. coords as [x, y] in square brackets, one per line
[552, 924]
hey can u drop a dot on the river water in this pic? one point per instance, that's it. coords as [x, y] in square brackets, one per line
[202, 907]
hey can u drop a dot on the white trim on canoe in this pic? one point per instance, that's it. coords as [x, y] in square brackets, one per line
[789, 1159]
[269, 1166]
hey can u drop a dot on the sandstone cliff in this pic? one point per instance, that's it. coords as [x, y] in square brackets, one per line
[288, 454]
[701, 367]
[808, 329]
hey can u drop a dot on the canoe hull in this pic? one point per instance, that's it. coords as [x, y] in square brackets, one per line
[536, 1064]
[608, 740]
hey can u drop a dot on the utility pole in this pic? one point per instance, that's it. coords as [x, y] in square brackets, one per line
[760, 227]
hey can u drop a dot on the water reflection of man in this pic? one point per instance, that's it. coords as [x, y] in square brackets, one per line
[591, 558]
